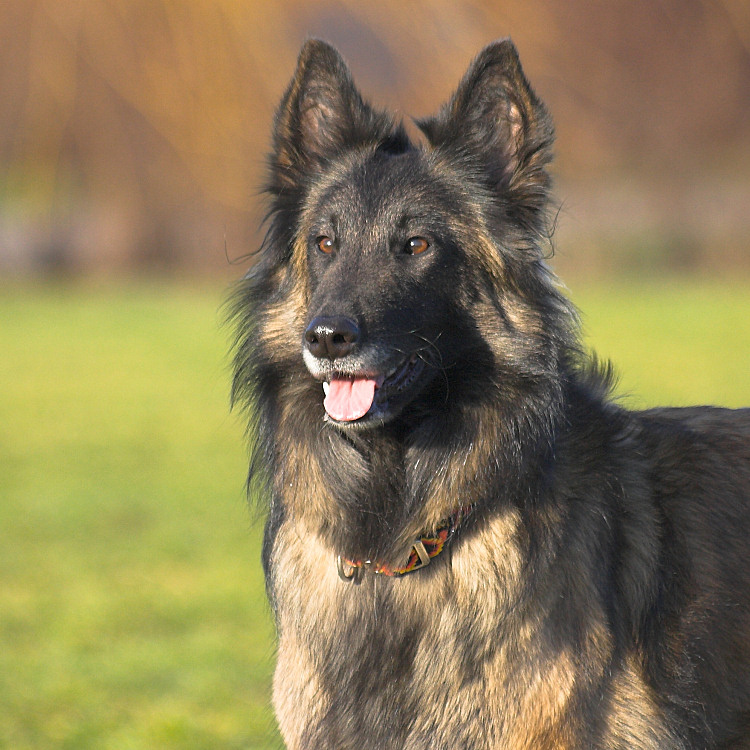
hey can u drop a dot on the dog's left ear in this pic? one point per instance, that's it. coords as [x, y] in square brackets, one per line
[495, 116]
[321, 115]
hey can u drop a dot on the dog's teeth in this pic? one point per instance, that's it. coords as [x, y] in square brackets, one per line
[326, 387]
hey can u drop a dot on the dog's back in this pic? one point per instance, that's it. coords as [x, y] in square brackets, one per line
[700, 481]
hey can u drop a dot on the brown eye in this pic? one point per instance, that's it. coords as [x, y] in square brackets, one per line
[325, 245]
[416, 245]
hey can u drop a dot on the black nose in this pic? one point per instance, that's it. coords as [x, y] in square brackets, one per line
[331, 336]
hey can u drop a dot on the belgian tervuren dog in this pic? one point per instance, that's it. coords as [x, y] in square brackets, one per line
[469, 545]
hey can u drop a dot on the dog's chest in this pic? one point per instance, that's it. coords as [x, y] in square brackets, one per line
[435, 659]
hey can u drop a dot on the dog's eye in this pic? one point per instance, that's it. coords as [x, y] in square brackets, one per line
[416, 245]
[325, 245]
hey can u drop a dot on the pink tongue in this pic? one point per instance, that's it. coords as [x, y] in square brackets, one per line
[349, 399]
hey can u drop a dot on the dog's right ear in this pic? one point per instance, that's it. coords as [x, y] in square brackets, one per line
[322, 114]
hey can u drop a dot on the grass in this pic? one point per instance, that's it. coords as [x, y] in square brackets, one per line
[676, 343]
[132, 612]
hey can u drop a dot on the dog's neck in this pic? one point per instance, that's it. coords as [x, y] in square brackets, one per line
[372, 496]
[382, 488]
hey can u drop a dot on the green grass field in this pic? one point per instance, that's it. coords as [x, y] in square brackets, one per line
[132, 612]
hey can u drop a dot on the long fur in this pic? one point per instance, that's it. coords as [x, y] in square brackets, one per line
[598, 596]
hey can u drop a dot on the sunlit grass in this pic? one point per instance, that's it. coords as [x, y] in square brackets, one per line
[132, 611]
[675, 342]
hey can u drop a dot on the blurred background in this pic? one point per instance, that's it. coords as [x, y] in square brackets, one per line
[133, 132]
[132, 148]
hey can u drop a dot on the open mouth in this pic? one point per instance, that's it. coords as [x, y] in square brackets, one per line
[355, 399]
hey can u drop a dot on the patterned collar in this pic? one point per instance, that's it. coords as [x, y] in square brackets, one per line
[422, 551]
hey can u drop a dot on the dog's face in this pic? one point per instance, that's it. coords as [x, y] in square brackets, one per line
[384, 230]
[383, 266]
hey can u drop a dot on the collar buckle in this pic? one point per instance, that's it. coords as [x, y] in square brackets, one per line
[349, 572]
[424, 558]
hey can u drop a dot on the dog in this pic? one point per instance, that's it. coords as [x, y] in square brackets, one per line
[469, 543]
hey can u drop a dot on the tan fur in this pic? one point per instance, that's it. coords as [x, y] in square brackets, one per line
[524, 691]
[635, 720]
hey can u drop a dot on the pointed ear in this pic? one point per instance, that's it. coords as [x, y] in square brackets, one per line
[496, 117]
[322, 114]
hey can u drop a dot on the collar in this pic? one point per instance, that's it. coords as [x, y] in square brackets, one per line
[422, 551]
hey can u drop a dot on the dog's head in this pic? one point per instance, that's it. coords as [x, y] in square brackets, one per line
[417, 266]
